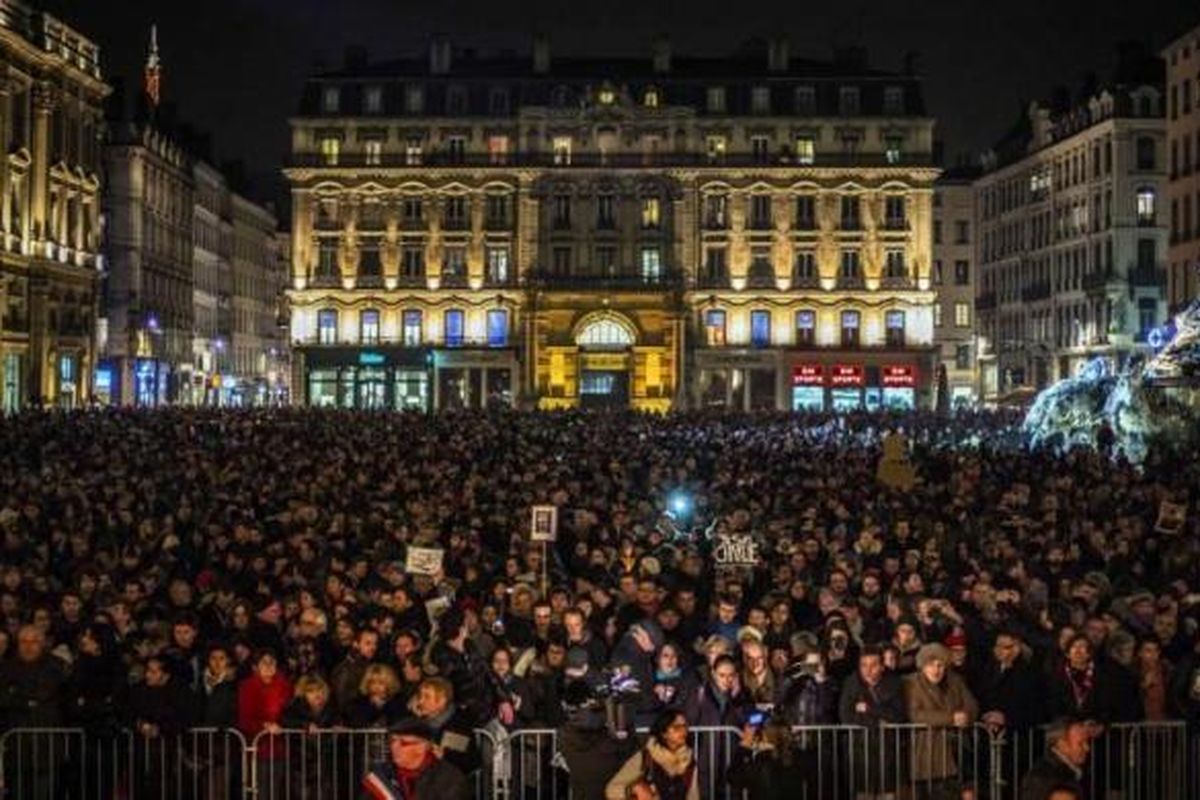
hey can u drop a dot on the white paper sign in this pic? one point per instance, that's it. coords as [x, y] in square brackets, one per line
[736, 551]
[544, 524]
[423, 560]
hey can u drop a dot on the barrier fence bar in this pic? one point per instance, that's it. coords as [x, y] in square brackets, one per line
[1133, 761]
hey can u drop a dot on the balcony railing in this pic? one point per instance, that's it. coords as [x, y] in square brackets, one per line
[805, 281]
[593, 160]
[897, 282]
[1037, 291]
[628, 280]
[852, 282]
[712, 281]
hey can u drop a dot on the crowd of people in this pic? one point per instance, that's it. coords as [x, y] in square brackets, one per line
[168, 570]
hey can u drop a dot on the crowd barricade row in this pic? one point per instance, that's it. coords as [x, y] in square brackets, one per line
[1132, 761]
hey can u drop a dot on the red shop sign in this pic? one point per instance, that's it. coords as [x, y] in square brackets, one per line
[808, 375]
[904, 375]
[846, 375]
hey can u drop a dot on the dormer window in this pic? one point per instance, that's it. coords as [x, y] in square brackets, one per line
[760, 100]
[716, 99]
[606, 96]
[893, 100]
[651, 98]
[456, 101]
[330, 99]
[806, 100]
[414, 99]
[373, 100]
[848, 101]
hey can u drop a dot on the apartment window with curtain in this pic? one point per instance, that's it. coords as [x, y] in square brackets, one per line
[714, 327]
[850, 328]
[497, 264]
[715, 147]
[411, 328]
[962, 273]
[714, 265]
[760, 328]
[497, 210]
[330, 149]
[894, 212]
[1145, 205]
[413, 262]
[497, 327]
[651, 264]
[806, 212]
[327, 324]
[368, 326]
[806, 150]
[760, 211]
[894, 264]
[962, 315]
[562, 150]
[373, 152]
[454, 324]
[850, 217]
[716, 211]
[849, 266]
[651, 213]
[805, 268]
[330, 100]
[894, 328]
[806, 328]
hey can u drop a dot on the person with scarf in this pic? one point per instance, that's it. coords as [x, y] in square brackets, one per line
[413, 770]
[665, 762]
[1083, 687]
[671, 686]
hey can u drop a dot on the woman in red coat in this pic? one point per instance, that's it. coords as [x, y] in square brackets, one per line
[262, 697]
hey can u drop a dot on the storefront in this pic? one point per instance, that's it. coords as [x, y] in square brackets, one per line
[899, 387]
[151, 382]
[11, 373]
[382, 378]
[846, 383]
[808, 387]
[844, 386]
[473, 378]
[738, 380]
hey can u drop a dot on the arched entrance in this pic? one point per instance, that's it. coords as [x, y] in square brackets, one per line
[605, 341]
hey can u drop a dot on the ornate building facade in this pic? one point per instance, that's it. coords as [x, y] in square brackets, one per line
[1072, 239]
[954, 273]
[747, 232]
[1182, 58]
[51, 93]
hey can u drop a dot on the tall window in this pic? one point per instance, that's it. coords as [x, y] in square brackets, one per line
[892, 149]
[497, 149]
[651, 98]
[606, 259]
[455, 212]
[805, 271]
[373, 152]
[368, 326]
[715, 146]
[714, 265]
[373, 100]
[327, 323]
[1147, 254]
[716, 99]
[414, 99]
[1145, 153]
[414, 261]
[850, 218]
[651, 264]
[848, 97]
[454, 262]
[893, 100]
[456, 149]
[760, 328]
[330, 100]
[497, 264]
[453, 321]
[962, 315]
[606, 218]
[1145, 205]
[849, 266]
[962, 356]
[760, 211]
[806, 150]
[806, 212]
[562, 211]
[806, 100]
[498, 100]
[937, 315]
[412, 151]
[937, 272]
[411, 330]
[330, 148]
[456, 100]
[714, 327]
[850, 320]
[894, 217]
[760, 100]
[369, 263]
[895, 267]
[497, 210]
[760, 148]
[651, 210]
[962, 273]
[894, 325]
[327, 266]
[562, 150]
[497, 327]
[806, 328]
[962, 231]
[561, 260]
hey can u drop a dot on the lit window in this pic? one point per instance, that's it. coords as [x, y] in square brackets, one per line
[850, 328]
[368, 327]
[650, 99]
[330, 147]
[760, 328]
[373, 100]
[1145, 206]
[962, 315]
[891, 148]
[894, 323]
[373, 152]
[412, 151]
[327, 322]
[497, 149]
[806, 150]
[606, 96]
[651, 264]
[497, 264]
[760, 100]
[714, 327]
[412, 328]
[497, 327]
[806, 327]
[716, 99]
[562, 150]
[650, 212]
[454, 322]
[604, 333]
[937, 315]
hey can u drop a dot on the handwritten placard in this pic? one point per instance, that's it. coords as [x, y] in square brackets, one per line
[423, 560]
[736, 550]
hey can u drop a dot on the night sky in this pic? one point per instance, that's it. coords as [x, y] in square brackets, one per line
[235, 67]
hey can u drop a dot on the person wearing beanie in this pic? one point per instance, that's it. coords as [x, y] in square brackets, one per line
[937, 698]
[413, 770]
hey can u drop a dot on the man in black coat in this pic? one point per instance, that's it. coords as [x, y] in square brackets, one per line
[1010, 689]
[32, 684]
[1061, 770]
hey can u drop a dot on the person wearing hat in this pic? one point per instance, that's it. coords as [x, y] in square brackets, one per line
[413, 769]
[937, 698]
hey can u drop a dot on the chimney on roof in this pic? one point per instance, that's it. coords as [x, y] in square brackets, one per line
[355, 58]
[541, 53]
[662, 54]
[439, 54]
[779, 55]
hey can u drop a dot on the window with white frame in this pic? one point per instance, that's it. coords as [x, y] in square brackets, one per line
[562, 150]
[327, 324]
[368, 326]
[806, 150]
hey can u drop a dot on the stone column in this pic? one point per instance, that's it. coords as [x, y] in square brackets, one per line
[44, 97]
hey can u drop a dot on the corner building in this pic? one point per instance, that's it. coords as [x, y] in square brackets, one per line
[743, 232]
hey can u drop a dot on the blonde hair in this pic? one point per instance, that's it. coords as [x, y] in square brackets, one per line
[380, 671]
[310, 682]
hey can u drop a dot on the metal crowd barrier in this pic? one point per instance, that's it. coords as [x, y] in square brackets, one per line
[73, 764]
[1136, 761]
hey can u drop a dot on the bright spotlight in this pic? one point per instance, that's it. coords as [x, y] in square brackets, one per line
[680, 504]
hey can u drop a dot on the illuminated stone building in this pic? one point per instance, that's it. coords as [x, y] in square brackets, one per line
[1072, 235]
[51, 95]
[1182, 57]
[745, 232]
